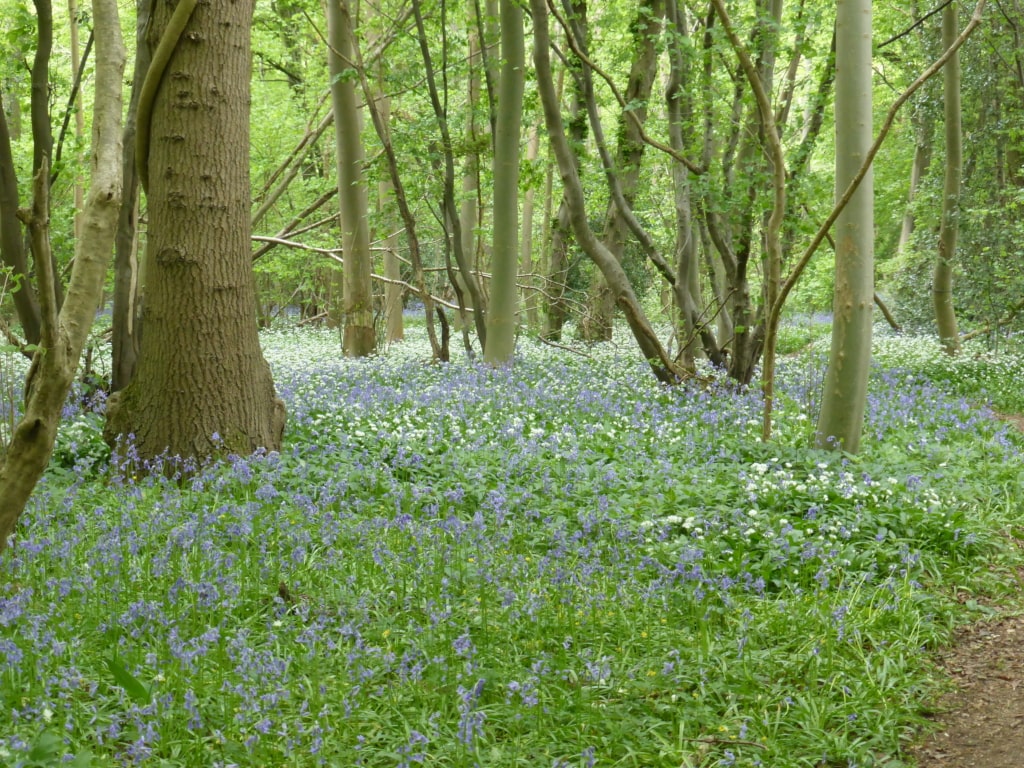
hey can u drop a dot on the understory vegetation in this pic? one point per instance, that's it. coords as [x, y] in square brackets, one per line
[558, 564]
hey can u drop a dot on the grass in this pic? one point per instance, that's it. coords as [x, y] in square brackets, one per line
[561, 564]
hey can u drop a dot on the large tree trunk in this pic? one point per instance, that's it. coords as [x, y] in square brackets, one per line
[845, 389]
[357, 311]
[942, 279]
[202, 386]
[679, 111]
[504, 299]
[62, 338]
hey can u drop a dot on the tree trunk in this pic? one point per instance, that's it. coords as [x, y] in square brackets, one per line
[451, 214]
[357, 310]
[650, 346]
[76, 63]
[42, 134]
[127, 315]
[469, 206]
[202, 386]
[557, 272]
[12, 247]
[504, 298]
[394, 322]
[922, 160]
[680, 111]
[942, 279]
[526, 260]
[393, 318]
[845, 388]
[629, 157]
[62, 338]
[381, 126]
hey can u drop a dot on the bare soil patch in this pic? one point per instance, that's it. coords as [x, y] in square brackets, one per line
[981, 723]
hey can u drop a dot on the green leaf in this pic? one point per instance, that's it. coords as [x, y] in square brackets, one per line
[82, 760]
[46, 746]
[138, 691]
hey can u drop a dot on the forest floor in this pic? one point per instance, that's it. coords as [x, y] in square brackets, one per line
[981, 722]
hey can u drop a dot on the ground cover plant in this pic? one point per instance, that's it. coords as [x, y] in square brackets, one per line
[561, 564]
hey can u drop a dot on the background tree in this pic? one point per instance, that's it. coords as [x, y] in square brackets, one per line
[126, 328]
[504, 299]
[359, 336]
[630, 149]
[942, 281]
[202, 385]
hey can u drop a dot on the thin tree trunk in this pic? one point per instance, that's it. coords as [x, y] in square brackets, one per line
[12, 246]
[42, 136]
[127, 314]
[557, 272]
[845, 388]
[451, 213]
[56, 362]
[394, 324]
[650, 347]
[526, 260]
[629, 157]
[439, 348]
[76, 63]
[359, 336]
[942, 279]
[469, 206]
[504, 295]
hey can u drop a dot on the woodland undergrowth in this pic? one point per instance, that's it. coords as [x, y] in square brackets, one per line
[562, 564]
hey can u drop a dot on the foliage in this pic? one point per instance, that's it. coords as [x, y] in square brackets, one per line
[561, 563]
[798, 332]
[979, 373]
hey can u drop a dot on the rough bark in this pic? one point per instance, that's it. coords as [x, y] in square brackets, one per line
[64, 335]
[504, 295]
[845, 388]
[201, 387]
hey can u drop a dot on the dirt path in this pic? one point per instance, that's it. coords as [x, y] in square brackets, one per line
[981, 723]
